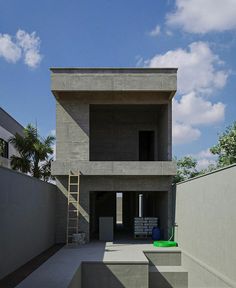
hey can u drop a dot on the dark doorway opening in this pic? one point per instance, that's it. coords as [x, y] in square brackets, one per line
[146, 145]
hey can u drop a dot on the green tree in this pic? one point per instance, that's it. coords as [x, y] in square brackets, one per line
[186, 169]
[34, 153]
[226, 147]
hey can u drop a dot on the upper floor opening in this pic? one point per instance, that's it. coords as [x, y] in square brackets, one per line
[129, 132]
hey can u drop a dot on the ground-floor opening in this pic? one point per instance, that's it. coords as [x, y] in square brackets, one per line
[123, 206]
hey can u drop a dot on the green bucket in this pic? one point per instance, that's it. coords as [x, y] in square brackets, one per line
[165, 244]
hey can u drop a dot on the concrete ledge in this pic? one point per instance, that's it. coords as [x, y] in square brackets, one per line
[107, 79]
[115, 168]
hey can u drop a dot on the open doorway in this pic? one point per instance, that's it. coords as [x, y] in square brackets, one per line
[123, 207]
[146, 145]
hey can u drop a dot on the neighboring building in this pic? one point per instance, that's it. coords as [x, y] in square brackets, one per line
[8, 127]
[114, 126]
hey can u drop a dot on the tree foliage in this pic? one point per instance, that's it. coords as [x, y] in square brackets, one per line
[226, 147]
[34, 153]
[186, 169]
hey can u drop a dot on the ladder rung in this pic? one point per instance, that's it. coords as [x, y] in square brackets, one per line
[73, 210]
[73, 192]
[74, 184]
[72, 201]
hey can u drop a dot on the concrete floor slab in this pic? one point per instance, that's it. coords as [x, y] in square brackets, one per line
[59, 270]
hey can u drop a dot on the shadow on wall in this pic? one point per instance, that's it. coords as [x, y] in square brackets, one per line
[61, 210]
[114, 275]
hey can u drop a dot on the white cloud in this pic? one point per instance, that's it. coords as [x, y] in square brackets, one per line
[8, 49]
[195, 110]
[202, 16]
[197, 67]
[204, 154]
[204, 159]
[183, 133]
[156, 31]
[200, 73]
[30, 44]
[25, 45]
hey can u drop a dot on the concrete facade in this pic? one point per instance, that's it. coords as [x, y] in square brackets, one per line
[99, 115]
[206, 217]
[8, 128]
[27, 218]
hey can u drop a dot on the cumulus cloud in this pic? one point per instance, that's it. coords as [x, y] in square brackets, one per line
[30, 45]
[197, 67]
[200, 73]
[203, 16]
[8, 49]
[204, 159]
[23, 45]
[196, 110]
[156, 31]
[183, 133]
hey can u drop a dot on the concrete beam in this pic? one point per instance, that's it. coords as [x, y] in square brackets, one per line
[115, 168]
[108, 79]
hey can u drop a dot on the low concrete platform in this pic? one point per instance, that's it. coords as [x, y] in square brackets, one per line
[123, 265]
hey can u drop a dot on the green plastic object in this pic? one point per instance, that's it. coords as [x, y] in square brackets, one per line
[165, 244]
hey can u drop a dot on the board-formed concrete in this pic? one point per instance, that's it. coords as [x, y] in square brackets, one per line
[117, 79]
[100, 115]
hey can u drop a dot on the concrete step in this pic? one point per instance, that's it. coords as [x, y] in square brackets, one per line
[168, 277]
[164, 257]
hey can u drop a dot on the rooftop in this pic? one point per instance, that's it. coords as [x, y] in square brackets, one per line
[122, 70]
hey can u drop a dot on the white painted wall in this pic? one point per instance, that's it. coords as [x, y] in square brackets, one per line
[206, 218]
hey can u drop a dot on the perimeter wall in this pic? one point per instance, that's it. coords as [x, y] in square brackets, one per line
[206, 232]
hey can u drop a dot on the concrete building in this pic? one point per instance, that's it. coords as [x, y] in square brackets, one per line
[113, 125]
[8, 127]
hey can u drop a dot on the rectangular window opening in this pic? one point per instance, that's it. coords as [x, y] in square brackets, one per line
[3, 148]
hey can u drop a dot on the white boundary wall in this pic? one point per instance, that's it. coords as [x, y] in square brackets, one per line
[206, 218]
[27, 218]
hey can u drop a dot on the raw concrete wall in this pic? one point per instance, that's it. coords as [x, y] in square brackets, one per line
[114, 131]
[206, 217]
[27, 218]
[106, 183]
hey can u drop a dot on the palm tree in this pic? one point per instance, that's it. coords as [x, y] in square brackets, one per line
[34, 153]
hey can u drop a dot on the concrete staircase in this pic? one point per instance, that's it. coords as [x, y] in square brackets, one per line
[165, 270]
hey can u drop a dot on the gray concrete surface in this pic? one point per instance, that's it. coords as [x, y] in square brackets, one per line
[115, 168]
[120, 264]
[100, 112]
[106, 228]
[128, 79]
[164, 258]
[168, 277]
[206, 217]
[111, 184]
[27, 218]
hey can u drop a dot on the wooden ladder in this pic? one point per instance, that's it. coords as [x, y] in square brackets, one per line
[73, 206]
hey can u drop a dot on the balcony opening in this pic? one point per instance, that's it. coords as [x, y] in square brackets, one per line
[129, 132]
[146, 145]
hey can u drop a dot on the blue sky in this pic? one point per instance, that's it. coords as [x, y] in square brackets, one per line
[197, 36]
